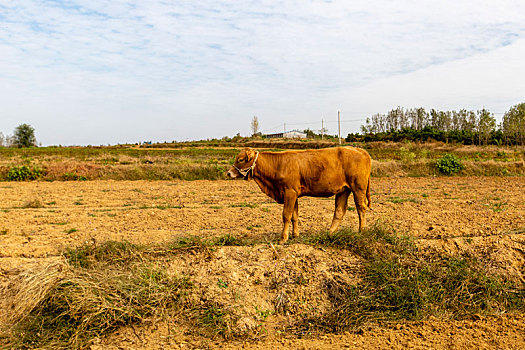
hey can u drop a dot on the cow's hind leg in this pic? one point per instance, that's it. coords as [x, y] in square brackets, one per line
[360, 204]
[295, 219]
[341, 205]
[290, 199]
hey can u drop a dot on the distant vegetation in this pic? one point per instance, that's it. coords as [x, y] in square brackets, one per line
[185, 162]
[116, 163]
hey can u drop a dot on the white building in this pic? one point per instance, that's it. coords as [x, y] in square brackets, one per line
[294, 134]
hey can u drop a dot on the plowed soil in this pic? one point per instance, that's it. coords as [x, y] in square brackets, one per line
[485, 215]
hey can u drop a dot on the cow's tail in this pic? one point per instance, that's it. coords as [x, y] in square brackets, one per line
[368, 194]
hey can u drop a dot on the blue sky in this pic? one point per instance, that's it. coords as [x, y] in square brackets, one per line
[106, 72]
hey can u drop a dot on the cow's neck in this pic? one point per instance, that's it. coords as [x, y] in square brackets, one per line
[265, 177]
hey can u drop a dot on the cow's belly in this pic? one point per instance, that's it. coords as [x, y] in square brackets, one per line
[325, 190]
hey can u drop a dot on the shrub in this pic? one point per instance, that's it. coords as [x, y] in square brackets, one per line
[449, 164]
[23, 173]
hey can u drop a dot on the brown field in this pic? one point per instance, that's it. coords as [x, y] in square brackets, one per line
[481, 215]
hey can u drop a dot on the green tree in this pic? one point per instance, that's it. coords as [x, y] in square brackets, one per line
[486, 124]
[418, 118]
[309, 133]
[513, 124]
[24, 136]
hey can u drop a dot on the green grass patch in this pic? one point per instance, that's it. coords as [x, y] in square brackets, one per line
[214, 319]
[397, 200]
[498, 207]
[168, 206]
[161, 206]
[73, 177]
[228, 240]
[63, 223]
[244, 205]
[189, 242]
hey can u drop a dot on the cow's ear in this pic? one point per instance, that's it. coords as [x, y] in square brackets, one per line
[250, 154]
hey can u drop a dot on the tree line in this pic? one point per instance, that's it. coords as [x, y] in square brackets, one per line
[463, 126]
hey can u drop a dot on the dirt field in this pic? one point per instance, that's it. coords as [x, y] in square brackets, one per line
[450, 214]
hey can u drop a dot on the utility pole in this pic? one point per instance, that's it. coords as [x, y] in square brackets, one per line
[339, 125]
[285, 128]
[322, 129]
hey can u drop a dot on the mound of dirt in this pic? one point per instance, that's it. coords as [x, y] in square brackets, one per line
[264, 287]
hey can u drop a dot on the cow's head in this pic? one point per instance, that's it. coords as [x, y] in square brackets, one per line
[243, 165]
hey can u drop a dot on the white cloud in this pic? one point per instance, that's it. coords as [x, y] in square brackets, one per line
[490, 80]
[122, 71]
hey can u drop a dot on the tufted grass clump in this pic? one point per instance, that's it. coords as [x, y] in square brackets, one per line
[400, 283]
[377, 240]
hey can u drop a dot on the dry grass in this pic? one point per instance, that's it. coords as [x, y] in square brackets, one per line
[64, 305]
[59, 170]
[427, 167]
[388, 168]
[494, 168]
[34, 203]
[38, 283]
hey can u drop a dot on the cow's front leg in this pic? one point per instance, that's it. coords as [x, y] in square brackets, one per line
[290, 197]
[295, 219]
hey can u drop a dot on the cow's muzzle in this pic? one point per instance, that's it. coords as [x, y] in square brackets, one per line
[233, 173]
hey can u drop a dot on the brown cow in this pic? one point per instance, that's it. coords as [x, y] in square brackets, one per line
[286, 176]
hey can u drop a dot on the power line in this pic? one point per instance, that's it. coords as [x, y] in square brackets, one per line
[272, 128]
[321, 122]
[302, 123]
